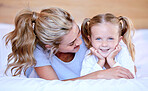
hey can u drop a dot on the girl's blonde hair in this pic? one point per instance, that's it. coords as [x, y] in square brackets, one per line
[31, 28]
[125, 27]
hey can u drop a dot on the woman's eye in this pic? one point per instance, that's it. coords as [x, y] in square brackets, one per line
[71, 44]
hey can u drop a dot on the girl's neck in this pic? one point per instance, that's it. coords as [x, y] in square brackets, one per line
[65, 57]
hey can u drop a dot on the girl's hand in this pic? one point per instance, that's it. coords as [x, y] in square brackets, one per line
[111, 56]
[101, 61]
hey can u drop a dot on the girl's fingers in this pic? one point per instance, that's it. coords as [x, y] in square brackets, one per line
[96, 53]
[115, 51]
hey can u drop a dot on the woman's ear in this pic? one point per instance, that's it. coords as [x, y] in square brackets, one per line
[48, 46]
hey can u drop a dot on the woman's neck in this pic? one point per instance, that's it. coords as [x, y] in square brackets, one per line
[65, 57]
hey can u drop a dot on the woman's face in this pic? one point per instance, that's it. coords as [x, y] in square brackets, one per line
[104, 38]
[71, 42]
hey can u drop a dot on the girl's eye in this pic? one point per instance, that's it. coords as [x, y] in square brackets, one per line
[98, 39]
[111, 38]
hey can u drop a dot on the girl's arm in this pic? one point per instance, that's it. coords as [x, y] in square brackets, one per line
[89, 65]
[101, 60]
[126, 60]
[111, 57]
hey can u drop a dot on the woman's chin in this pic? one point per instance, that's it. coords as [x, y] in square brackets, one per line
[76, 49]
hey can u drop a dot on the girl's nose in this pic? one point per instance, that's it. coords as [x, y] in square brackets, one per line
[104, 43]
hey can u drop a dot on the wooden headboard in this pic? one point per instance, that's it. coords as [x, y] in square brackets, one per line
[136, 10]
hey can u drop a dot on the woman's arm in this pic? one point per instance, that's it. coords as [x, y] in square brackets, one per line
[112, 73]
[46, 72]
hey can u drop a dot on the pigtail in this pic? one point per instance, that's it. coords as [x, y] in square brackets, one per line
[85, 31]
[23, 42]
[126, 27]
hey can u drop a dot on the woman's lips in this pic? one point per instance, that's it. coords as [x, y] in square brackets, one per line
[76, 47]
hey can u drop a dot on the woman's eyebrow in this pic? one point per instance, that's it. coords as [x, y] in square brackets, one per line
[76, 38]
[79, 29]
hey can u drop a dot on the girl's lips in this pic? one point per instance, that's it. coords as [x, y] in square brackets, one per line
[104, 50]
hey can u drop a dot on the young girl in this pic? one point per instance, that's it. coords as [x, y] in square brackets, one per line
[103, 34]
[49, 42]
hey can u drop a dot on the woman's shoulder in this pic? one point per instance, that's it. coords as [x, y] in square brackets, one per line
[40, 52]
[41, 56]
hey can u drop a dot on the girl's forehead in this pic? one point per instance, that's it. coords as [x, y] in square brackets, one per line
[105, 27]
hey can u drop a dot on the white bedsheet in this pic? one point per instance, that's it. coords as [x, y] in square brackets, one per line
[8, 83]
[36, 84]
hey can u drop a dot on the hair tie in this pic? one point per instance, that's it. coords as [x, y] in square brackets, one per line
[34, 17]
[87, 20]
[120, 18]
[123, 25]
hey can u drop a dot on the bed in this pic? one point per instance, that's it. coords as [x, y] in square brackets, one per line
[137, 11]
[140, 83]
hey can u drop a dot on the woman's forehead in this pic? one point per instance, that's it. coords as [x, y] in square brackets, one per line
[72, 35]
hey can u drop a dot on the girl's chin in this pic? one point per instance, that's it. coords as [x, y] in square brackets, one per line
[104, 54]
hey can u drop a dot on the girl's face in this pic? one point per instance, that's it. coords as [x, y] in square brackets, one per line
[104, 38]
[71, 42]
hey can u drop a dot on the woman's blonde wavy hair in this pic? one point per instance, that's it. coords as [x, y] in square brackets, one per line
[31, 28]
[125, 28]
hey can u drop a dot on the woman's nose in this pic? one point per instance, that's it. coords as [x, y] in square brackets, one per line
[78, 41]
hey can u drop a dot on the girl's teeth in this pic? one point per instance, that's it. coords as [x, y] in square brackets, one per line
[104, 49]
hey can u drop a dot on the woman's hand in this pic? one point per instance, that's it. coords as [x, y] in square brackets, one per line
[111, 56]
[115, 73]
[112, 73]
[101, 61]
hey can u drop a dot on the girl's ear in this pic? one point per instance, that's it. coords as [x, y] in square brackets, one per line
[48, 46]
[89, 38]
[120, 38]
